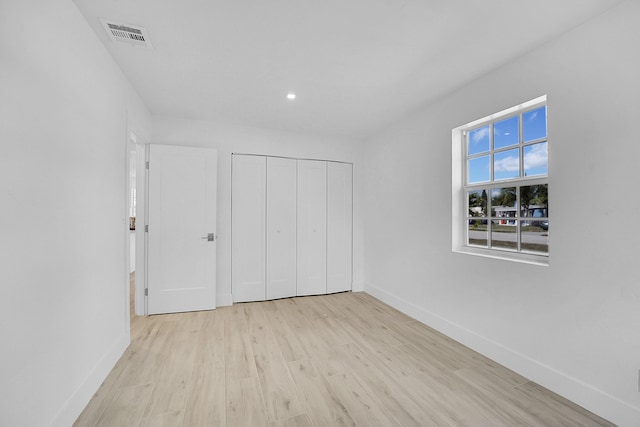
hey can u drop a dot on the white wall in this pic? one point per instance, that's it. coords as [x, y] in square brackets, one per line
[230, 138]
[64, 113]
[573, 326]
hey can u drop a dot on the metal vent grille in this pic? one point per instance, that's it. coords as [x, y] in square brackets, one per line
[130, 34]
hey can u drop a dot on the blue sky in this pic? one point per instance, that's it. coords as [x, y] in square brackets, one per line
[506, 132]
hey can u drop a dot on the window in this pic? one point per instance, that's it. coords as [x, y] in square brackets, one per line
[504, 206]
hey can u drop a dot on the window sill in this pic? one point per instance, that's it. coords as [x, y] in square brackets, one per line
[524, 258]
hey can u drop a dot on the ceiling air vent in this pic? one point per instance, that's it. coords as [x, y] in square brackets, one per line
[130, 34]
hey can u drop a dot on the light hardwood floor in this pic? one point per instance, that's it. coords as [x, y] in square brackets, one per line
[345, 359]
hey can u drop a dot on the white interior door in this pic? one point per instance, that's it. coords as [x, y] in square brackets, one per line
[312, 227]
[248, 222]
[339, 226]
[182, 226]
[281, 227]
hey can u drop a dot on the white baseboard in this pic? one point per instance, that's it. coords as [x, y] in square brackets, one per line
[77, 402]
[585, 395]
[224, 300]
[357, 287]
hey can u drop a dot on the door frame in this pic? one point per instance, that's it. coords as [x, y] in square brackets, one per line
[133, 144]
[142, 185]
[129, 141]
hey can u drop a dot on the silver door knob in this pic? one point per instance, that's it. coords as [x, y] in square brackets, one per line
[210, 237]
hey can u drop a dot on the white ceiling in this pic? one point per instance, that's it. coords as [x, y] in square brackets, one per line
[355, 65]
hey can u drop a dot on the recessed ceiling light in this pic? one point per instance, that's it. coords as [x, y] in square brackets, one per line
[291, 95]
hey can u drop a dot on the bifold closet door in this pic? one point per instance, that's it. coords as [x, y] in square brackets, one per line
[281, 227]
[339, 226]
[248, 227]
[312, 228]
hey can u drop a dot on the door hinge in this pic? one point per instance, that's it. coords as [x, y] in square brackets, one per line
[146, 292]
[146, 165]
[146, 228]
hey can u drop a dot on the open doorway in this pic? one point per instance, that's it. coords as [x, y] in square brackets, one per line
[135, 190]
[132, 224]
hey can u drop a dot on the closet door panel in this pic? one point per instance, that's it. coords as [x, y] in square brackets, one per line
[312, 227]
[248, 226]
[339, 226]
[281, 227]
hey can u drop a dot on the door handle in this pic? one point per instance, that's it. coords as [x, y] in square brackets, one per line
[210, 237]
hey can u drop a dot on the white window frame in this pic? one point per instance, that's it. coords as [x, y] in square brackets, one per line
[460, 187]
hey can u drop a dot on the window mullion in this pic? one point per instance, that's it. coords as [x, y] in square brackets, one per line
[521, 147]
[491, 151]
[489, 217]
[522, 175]
[518, 230]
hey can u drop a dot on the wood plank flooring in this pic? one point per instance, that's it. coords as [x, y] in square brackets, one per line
[333, 360]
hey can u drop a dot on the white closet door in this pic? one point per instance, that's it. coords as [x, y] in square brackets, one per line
[281, 227]
[312, 227]
[339, 226]
[248, 218]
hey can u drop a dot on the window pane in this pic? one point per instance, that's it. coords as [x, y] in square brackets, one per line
[534, 124]
[503, 234]
[506, 133]
[478, 140]
[503, 202]
[506, 164]
[534, 201]
[477, 232]
[534, 236]
[477, 203]
[535, 159]
[479, 169]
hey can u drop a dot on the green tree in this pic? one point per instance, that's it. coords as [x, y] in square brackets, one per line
[533, 195]
[478, 199]
[504, 197]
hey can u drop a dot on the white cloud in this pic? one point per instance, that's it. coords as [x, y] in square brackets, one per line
[507, 164]
[479, 134]
[536, 157]
[533, 116]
